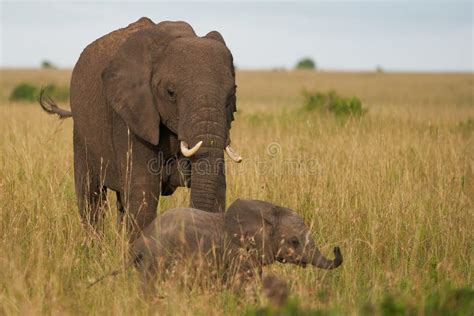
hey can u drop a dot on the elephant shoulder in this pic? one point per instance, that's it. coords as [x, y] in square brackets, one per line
[86, 75]
[175, 217]
[190, 219]
[105, 47]
[114, 39]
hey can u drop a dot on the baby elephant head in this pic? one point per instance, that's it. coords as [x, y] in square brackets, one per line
[276, 233]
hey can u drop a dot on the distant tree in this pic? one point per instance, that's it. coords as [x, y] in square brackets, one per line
[379, 69]
[306, 63]
[46, 64]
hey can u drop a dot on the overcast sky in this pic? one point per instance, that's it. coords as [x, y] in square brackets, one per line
[355, 35]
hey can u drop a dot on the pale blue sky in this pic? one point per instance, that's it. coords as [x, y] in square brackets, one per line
[355, 35]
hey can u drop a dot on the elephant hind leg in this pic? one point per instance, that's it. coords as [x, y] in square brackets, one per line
[91, 198]
[120, 208]
[90, 192]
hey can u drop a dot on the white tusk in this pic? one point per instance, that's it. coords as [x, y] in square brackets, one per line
[188, 152]
[233, 154]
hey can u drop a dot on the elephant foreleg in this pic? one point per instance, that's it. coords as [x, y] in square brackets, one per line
[141, 185]
[142, 202]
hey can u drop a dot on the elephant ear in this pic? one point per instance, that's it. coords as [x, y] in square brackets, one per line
[251, 223]
[232, 102]
[215, 36]
[127, 78]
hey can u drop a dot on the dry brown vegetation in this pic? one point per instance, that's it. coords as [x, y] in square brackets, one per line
[394, 189]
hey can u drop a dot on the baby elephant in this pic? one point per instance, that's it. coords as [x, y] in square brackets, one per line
[248, 236]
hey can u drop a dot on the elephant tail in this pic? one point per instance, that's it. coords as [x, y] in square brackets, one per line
[50, 107]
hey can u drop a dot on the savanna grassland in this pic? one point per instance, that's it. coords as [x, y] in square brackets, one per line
[393, 188]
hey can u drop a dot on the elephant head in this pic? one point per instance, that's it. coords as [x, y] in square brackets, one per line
[167, 76]
[276, 233]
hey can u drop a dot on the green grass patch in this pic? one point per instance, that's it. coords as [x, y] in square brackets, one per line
[446, 301]
[27, 92]
[59, 93]
[291, 308]
[333, 103]
[24, 92]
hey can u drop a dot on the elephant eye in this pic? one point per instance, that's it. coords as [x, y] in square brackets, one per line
[171, 93]
[295, 243]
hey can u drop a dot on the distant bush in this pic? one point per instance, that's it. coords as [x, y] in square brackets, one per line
[306, 63]
[46, 64]
[24, 92]
[57, 93]
[279, 69]
[333, 103]
[30, 93]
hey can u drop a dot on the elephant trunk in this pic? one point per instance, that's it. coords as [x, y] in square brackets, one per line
[207, 128]
[208, 186]
[322, 262]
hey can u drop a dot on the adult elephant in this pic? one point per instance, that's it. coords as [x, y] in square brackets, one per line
[143, 98]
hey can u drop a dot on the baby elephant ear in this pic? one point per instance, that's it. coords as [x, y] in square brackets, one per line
[215, 36]
[250, 219]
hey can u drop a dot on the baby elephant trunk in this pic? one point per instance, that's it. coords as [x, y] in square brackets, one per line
[321, 262]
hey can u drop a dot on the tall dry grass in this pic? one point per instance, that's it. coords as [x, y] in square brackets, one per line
[394, 189]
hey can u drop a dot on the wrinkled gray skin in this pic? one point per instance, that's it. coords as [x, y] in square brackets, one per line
[135, 94]
[251, 234]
